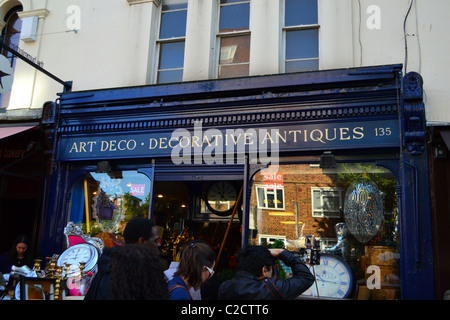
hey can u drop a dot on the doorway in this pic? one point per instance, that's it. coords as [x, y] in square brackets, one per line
[191, 210]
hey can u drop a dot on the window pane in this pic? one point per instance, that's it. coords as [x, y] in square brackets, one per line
[170, 76]
[280, 200]
[317, 201]
[302, 44]
[111, 200]
[174, 4]
[261, 198]
[300, 12]
[365, 236]
[330, 201]
[173, 24]
[270, 200]
[229, 71]
[302, 65]
[234, 17]
[235, 50]
[172, 55]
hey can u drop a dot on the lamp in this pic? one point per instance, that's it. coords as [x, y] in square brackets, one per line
[327, 160]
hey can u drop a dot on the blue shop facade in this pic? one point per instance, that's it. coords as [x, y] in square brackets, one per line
[330, 162]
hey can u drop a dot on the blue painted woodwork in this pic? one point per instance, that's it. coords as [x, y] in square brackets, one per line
[358, 96]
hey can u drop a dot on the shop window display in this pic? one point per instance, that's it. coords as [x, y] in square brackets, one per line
[343, 221]
[102, 203]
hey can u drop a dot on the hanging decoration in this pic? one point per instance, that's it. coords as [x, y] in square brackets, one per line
[363, 209]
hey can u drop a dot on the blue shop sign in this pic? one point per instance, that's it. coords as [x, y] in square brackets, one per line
[211, 141]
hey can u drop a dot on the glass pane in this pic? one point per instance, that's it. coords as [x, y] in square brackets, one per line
[102, 203]
[302, 65]
[174, 4]
[173, 24]
[270, 200]
[300, 12]
[261, 199]
[363, 237]
[170, 76]
[280, 200]
[171, 55]
[229, 71]
[234, 17]
[330, 202]
[234, 50]
[316, 200]
[302, 44]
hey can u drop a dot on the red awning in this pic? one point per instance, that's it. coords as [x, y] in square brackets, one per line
[7, 131]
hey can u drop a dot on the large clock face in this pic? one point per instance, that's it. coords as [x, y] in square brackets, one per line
[221, 197]
[83, 252]
[334, 278]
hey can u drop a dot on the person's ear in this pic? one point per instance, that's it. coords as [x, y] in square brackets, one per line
[140, 240]
[267, 272]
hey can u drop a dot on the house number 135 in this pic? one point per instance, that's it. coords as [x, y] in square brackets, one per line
[379, 132]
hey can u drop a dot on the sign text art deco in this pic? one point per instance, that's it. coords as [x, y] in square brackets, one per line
[218, 145]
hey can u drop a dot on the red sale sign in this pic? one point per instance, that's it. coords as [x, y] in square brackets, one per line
[273, 180]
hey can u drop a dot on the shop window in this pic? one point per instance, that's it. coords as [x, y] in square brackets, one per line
[102, 203]
[348, 213]
[270, 198]
[11, 37]
[301, 35]
[172, 41]
[326, 202]
[234, 38]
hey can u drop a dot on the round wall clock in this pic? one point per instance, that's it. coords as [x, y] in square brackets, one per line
[334, 278]
[75, 254]
[221, 196]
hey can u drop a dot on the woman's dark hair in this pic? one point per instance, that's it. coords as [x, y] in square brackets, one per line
[138, 227]
[27, 256]
[253, 258]
[195, 255]
[136, 274]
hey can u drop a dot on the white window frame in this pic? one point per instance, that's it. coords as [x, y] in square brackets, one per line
[232, 34]
[286, 29]
[269, 190]
[319, 213]
[160, 41]
[271, 237]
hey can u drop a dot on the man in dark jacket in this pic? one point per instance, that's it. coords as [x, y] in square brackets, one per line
[254, 279]
[138, 230]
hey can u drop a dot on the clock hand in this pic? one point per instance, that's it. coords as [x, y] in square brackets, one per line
[325, 280]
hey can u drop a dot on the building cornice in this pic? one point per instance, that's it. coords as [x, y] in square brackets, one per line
[132, 2]
[40, 13]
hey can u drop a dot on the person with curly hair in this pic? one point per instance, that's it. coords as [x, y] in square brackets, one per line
[139, 230]
[136, 274]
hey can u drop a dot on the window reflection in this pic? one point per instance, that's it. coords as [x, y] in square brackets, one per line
[105, 202]
[350, 212]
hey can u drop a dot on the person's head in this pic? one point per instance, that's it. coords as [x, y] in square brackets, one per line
[20, 246]
[136, 274]
[196, 263]
[256, 260]
[141, 230]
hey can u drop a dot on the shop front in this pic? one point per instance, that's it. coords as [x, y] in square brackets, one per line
[329, 165]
